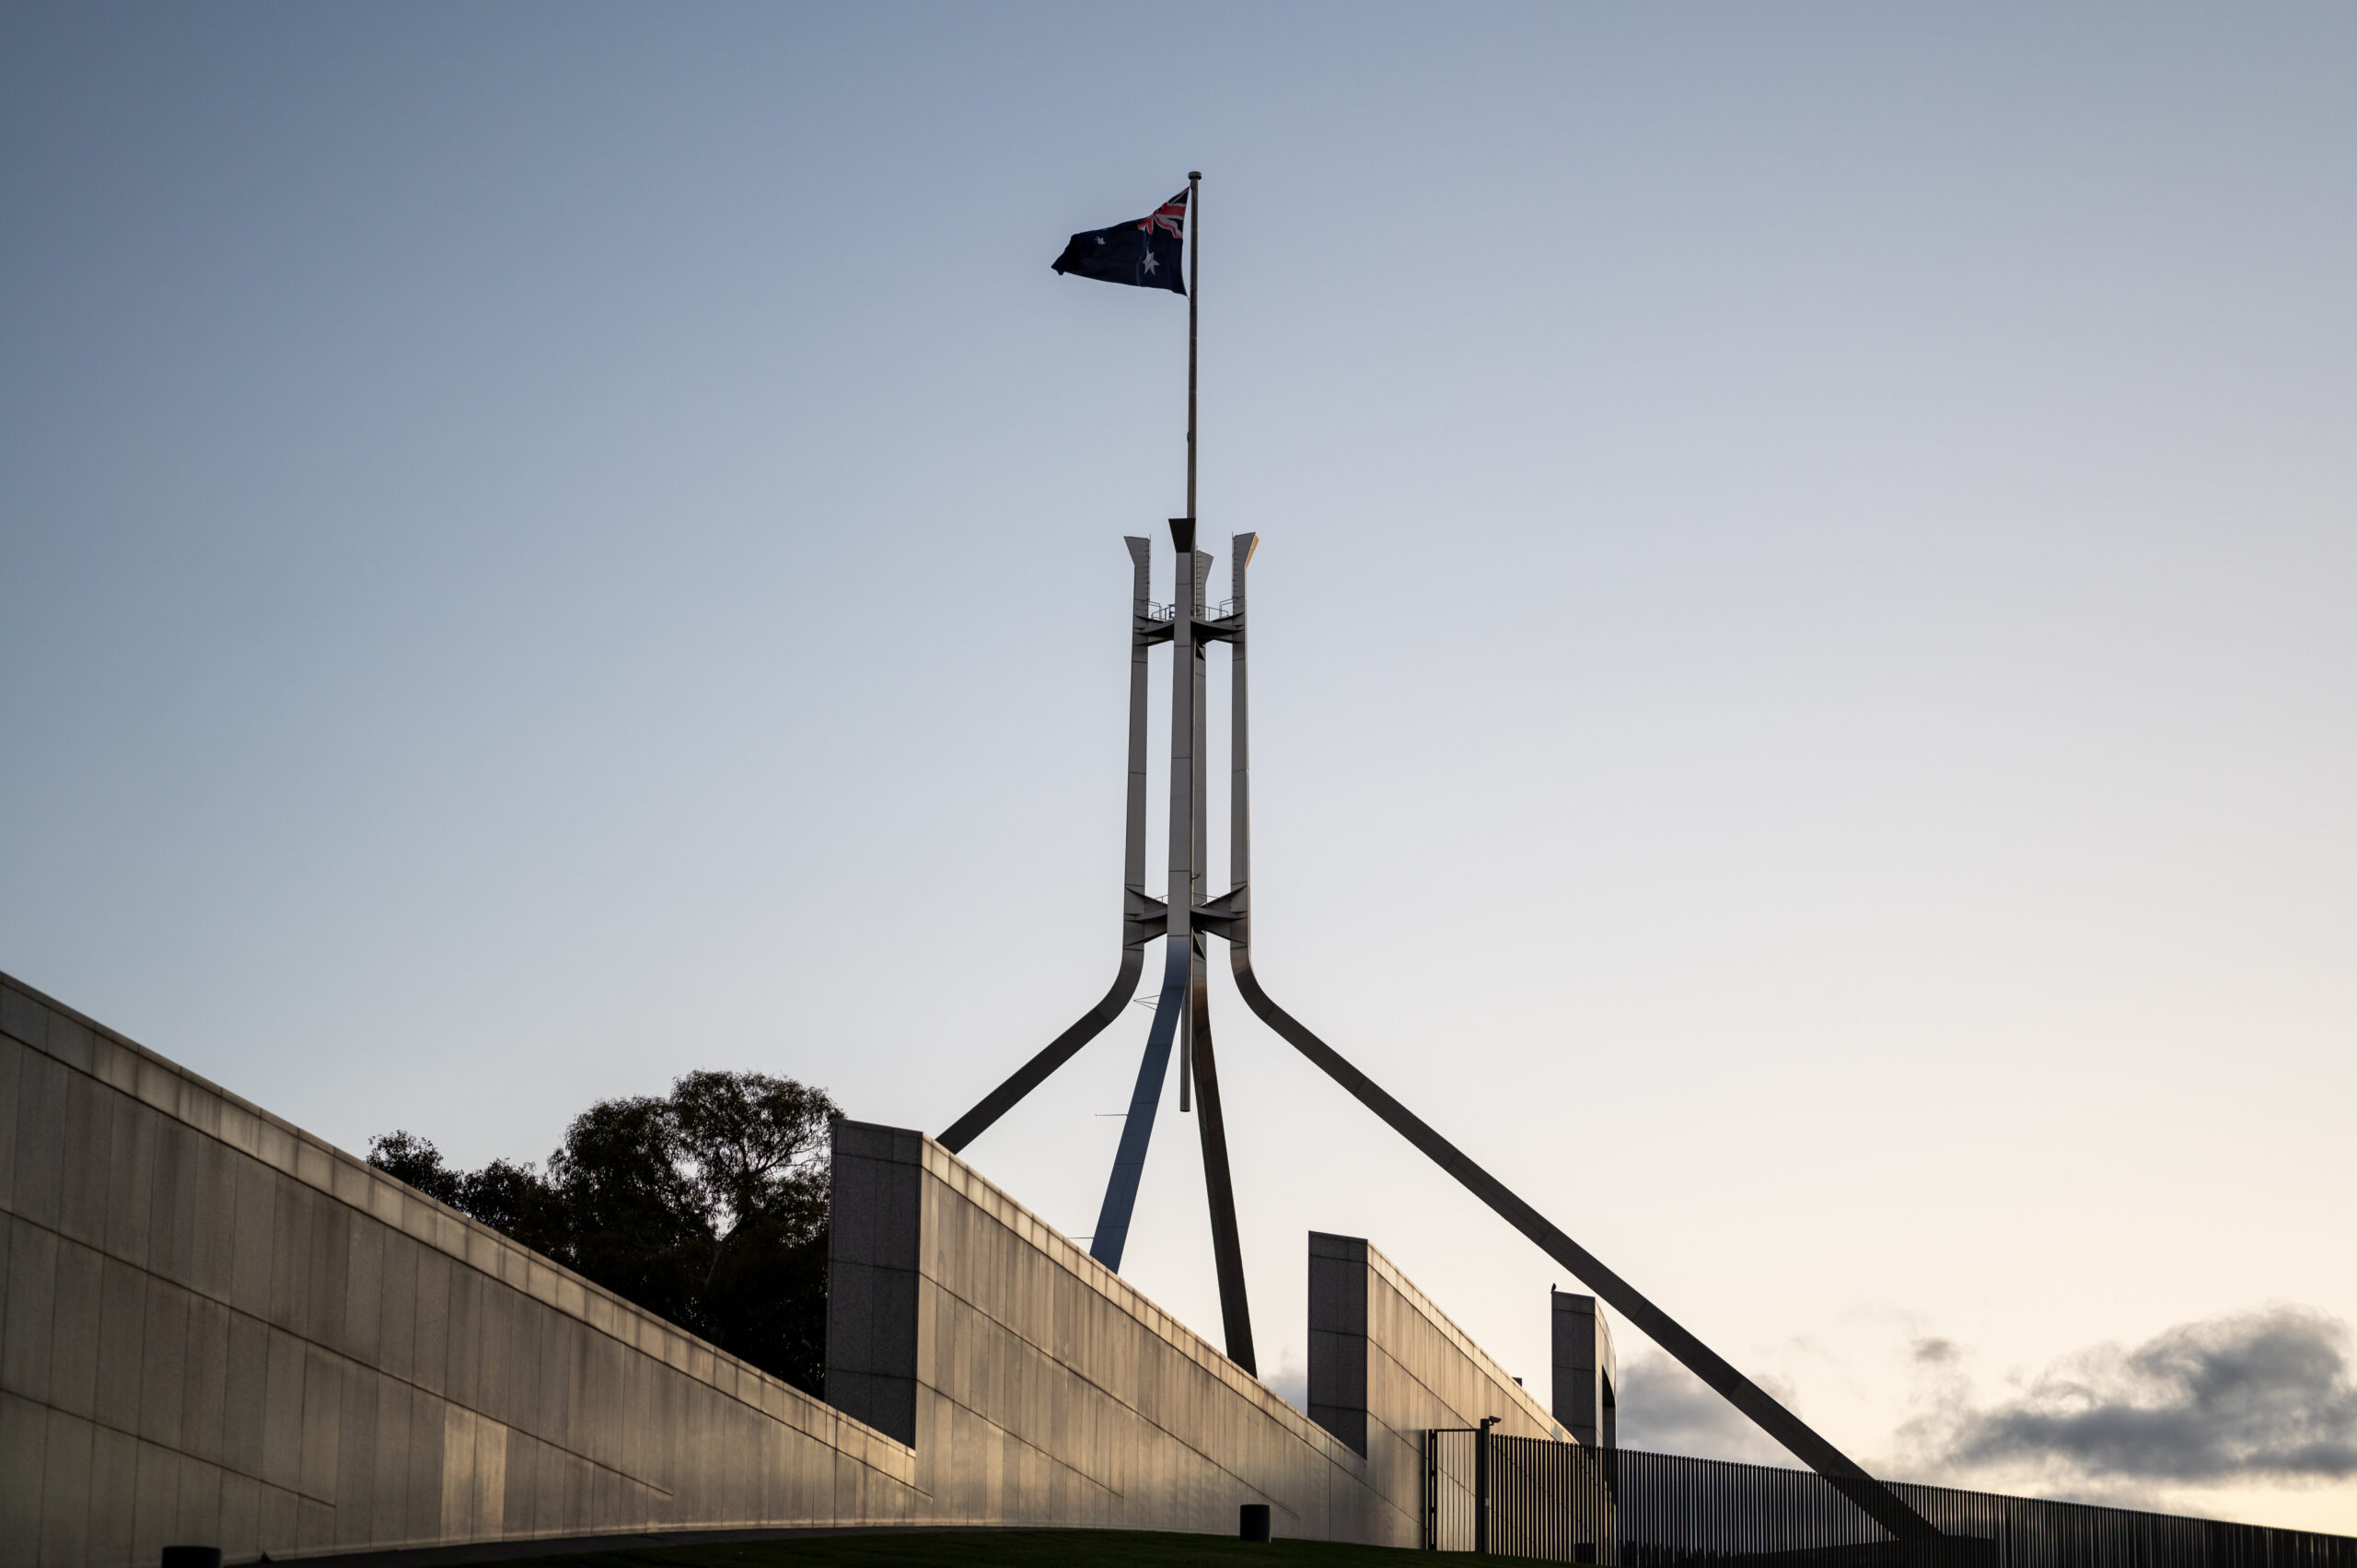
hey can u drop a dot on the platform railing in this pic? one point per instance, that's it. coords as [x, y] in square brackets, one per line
[1219, 611]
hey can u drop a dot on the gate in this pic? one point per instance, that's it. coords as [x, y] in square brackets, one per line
[1517, 1496]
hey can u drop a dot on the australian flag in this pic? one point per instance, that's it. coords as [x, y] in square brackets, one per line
[1145, 254]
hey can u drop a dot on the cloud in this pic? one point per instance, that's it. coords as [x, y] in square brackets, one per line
[2260, 1396]
[1290, 1382]
[1666, 1408]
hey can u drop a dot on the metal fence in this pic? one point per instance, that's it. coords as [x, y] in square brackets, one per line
[1517, 1496]
[1560, 1503]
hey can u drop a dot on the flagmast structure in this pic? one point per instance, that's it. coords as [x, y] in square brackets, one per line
[1194, 315]
[1184, 918]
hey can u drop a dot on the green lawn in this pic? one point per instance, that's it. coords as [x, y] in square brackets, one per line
[988, 1549]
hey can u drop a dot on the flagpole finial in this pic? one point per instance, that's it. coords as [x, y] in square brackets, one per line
[1194, 174]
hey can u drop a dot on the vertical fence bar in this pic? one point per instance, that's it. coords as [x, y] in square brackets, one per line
[1481, 1489]
[1431, 1492]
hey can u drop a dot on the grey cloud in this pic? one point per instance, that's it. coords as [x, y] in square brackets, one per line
[1666, 1408]
[2259, 1396]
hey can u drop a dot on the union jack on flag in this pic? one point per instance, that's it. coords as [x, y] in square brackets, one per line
[1170, 217]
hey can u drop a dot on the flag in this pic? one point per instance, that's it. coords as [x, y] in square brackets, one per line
[1144, 254]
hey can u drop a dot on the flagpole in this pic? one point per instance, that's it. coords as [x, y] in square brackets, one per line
[1194, 302]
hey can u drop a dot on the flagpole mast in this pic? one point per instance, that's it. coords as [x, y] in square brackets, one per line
[1194, 282]
[1195, 269]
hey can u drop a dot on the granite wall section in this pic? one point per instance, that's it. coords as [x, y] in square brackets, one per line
[215, 1330]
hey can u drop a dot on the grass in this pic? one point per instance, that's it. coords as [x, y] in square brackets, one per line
[989, 1548]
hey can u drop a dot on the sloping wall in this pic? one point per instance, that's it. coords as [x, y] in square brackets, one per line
[1385, 1365]
[215, 1330]
[1050, 1391]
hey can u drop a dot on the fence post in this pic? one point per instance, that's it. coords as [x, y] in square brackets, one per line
[1432, 1491]
[1482, 1483]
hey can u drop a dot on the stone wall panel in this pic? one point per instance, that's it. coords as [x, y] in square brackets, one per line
[114, 1473]
[75, 1294]
[87, 1150]
[67, 1450]
[204, 1400]
[40, 1140]
[12, 1069]
[156, 1501]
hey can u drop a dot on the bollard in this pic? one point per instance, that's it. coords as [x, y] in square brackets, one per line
[1252, 1522]
[191, 1557]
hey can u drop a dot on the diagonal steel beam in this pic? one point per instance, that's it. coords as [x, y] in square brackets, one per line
[1880, 1503]
[1219, 1185]
[1060, 1050]
[1107, 1242]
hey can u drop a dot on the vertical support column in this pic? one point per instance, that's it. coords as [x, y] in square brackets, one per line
[1337, 1351]
[1198, 851]
[1112, 1237]
[1186, 685]
[1145, 631]
[871, 1254]
[1240, 750]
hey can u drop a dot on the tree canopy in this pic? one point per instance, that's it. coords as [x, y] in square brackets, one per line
[707, 1206]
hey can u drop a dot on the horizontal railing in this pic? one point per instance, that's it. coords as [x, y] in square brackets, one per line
[1219, 611]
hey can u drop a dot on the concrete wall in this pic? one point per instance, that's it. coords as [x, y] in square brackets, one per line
[215, 1330]
[1050, 1391]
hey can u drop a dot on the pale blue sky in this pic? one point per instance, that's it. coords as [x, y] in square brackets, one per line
[1804, 662]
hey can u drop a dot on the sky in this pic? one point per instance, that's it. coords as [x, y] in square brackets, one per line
[1802, 650]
